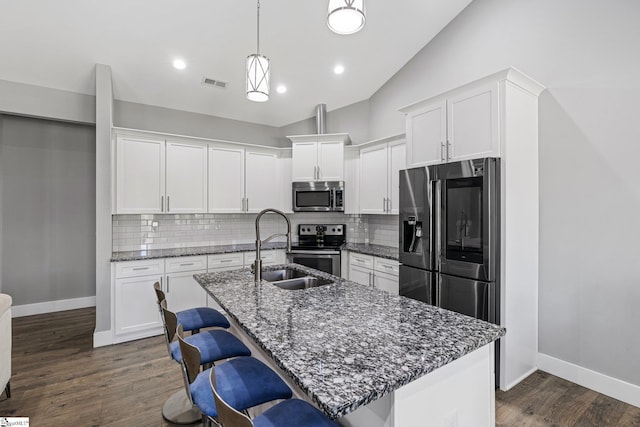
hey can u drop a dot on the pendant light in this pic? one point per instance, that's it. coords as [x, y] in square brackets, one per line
[346, 16]
[258, 72]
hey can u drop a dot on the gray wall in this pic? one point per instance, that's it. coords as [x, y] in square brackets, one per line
[159, 119]
[37, 101]
[585, 53]
[48, 210]
[352, 119]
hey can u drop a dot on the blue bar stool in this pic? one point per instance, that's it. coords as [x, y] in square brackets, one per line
[243, 382]
[214, 345]
[194, 319]
[290, 413]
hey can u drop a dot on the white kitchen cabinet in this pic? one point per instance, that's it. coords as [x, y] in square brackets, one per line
[318, 157]
[243, 180]
[226, 180]
[140, 175]
[186, 175]
[269, 257]
[261, 185]
[181, 289]
[352, 181]
[285, 199]
[379, 177]
[373, 271]
[155, 176]
[135, 308]
[461, 125]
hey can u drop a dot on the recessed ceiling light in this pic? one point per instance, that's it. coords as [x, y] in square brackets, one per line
[339, 69]
[281, 89]
[179, 64]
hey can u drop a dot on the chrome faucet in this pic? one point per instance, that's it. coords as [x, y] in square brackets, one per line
[257, 264]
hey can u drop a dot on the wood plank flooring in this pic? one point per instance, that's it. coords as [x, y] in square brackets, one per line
[59, 379]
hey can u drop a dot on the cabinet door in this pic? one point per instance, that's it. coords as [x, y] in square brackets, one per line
[304, 161]
[186, 178]
[386, 282]
[396, 162]
[136, 307]
[285, 199]
[330, 161]
[360, 275]
[261, 181]
[183, 292]
[139, 175]
[426, 135]
[373, 179]
[473, 124]
[226, 180]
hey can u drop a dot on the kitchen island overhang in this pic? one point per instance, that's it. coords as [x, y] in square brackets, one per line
[347, 345]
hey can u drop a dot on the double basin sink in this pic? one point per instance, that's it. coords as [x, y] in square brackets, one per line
[292, 279]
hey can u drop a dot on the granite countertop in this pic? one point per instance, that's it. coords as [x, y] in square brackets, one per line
[344, 344]
[375, 250]
[193, 251]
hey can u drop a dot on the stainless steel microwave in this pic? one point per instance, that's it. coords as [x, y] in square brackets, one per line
[318, 196]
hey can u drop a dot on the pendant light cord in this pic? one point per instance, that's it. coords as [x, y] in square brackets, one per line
[258, 26]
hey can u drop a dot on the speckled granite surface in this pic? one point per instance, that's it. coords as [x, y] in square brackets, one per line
[375, 250]
[345, 344]
[200, 250]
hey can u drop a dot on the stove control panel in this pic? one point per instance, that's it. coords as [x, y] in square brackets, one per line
[321, 229]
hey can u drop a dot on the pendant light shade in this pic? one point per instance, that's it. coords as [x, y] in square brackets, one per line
[346, 16]
[257, 78]
[258, 71]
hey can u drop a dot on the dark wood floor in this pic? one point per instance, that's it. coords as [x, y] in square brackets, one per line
[60, 380]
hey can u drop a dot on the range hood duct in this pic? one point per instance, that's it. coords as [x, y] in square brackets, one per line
[321, 115]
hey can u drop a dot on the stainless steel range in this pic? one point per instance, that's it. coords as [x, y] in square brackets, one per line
[319, 247]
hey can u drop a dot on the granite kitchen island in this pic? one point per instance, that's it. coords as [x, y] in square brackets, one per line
[363, 356]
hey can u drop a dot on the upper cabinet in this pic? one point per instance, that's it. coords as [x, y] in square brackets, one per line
[186, 175]
[318, 157]
[154, 176]
[461, 125]
[380, 167]
[140, 175]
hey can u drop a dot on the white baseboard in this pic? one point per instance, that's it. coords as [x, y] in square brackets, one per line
[613, 387]
[52, 306]
[102, 338]
[518, 380]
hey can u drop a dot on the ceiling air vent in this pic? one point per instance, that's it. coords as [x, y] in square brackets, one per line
[214, 83]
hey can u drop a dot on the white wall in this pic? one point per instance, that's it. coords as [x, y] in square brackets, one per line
[48, 210]
[585, 53]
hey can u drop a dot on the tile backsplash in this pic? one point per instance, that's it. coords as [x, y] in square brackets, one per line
[135, 232]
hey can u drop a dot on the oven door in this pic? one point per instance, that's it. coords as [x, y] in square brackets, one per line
[327, 261]
[469, 219]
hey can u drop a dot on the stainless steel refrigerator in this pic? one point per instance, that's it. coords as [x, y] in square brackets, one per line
[449, 236]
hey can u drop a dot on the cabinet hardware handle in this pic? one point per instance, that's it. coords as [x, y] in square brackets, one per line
[226, 260]
[319, 175]
[186, 264]
[140, 268]
[359, 260]
[247, 210]
[167, 284]
[161, 282]
[442, 151]
[161, 203]
[389, 204]
[168, 209]
[448, 149]
[244, 204]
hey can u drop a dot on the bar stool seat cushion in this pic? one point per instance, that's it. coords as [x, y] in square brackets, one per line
[201, 317]
[243, 382]
[293, 413]
[213, 345]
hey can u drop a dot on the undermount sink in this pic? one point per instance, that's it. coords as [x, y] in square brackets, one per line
[291, 279]
[285, 273]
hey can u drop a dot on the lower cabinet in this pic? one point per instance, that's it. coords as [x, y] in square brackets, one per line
[135, 309]
[181, 289]
[372, 271]
[223, 262]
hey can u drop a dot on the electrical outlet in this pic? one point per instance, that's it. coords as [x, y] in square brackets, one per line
[451, 420]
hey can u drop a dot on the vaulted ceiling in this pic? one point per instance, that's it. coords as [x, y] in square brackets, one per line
[57, 44]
